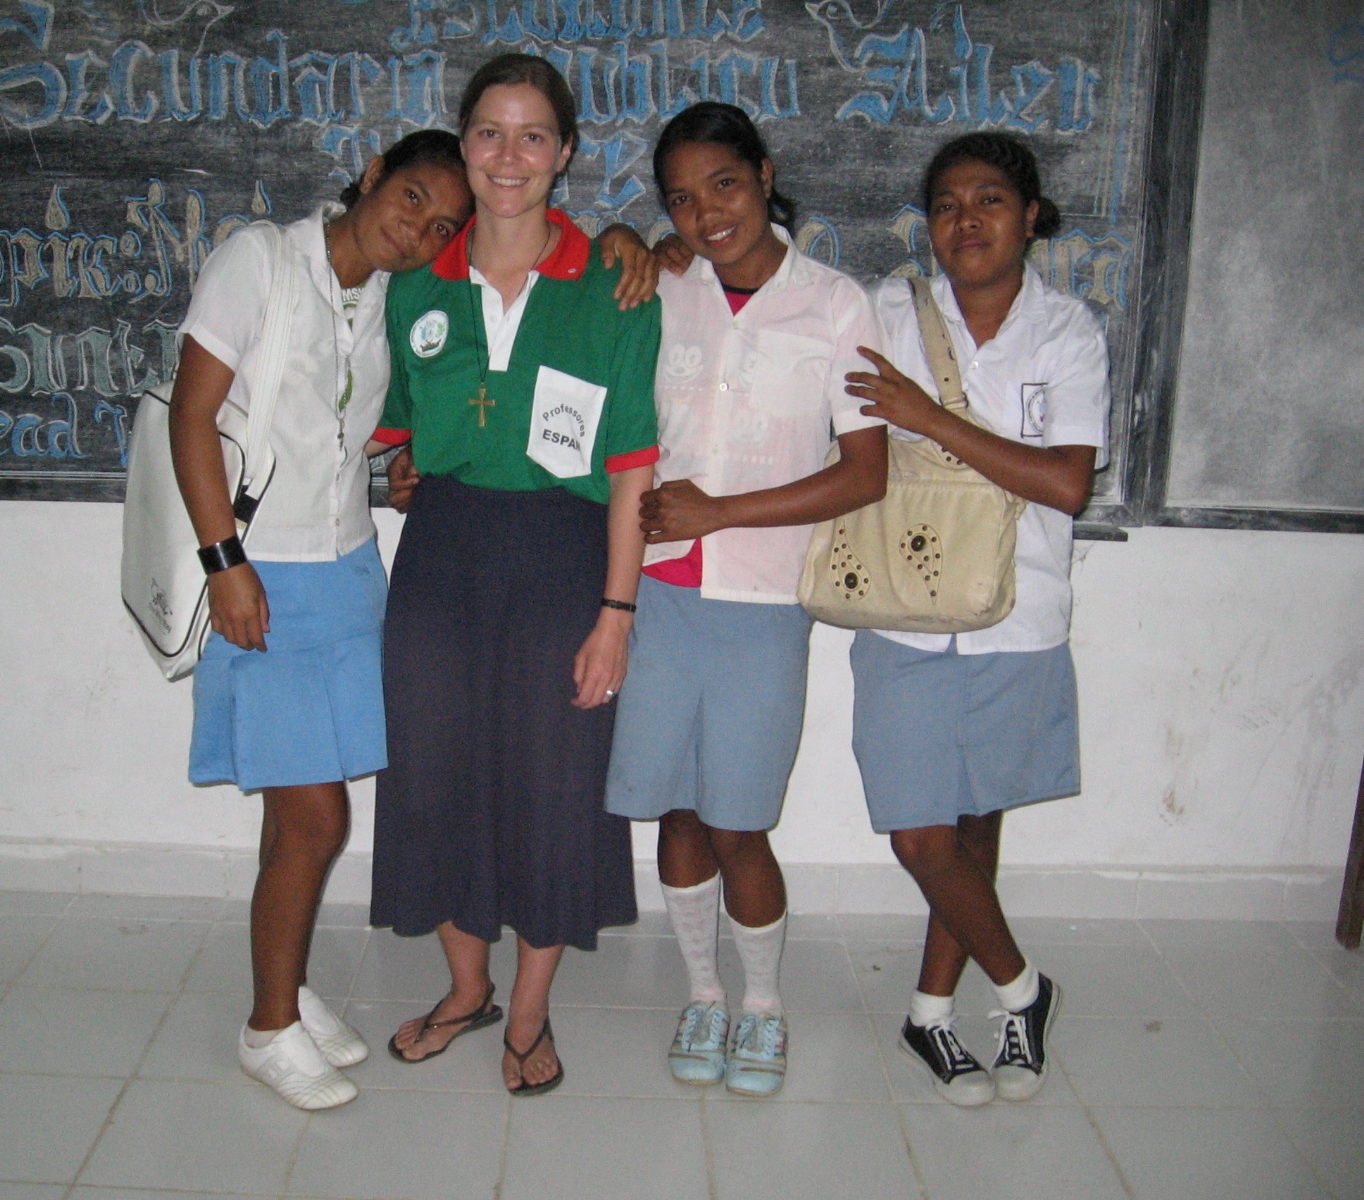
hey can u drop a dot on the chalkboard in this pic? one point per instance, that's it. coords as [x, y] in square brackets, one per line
[1268, 417]
[137, 134]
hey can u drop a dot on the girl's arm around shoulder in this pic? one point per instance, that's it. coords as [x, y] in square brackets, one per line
[678, 510]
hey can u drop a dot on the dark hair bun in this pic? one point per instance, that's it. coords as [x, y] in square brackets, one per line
[1048, 222]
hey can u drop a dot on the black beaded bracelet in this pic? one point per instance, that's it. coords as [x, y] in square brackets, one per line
[623, 605]
[221, 555]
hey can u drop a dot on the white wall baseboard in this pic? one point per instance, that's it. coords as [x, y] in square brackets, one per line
[1081, 892]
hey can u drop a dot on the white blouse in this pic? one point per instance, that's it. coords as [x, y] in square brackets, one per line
[317, 506]
[753, 400]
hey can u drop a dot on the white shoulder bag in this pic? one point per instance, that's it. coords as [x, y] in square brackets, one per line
[163, 582]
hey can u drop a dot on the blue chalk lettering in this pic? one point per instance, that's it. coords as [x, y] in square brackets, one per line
[37, 113]
[83, 104]
[117, 417]
[38, 26]
[122, 65]
[892, 63]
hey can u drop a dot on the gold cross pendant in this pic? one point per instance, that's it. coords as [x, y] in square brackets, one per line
[484, 401]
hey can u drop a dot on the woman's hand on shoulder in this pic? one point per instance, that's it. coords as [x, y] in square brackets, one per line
[238, 608]
[638, 267]
[599, 666]
[891, 395]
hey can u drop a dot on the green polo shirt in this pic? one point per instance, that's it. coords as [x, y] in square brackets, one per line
[439, 351]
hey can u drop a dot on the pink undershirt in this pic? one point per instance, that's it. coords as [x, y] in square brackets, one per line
[686, 571]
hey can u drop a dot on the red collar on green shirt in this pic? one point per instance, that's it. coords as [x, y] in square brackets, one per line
[568, 261]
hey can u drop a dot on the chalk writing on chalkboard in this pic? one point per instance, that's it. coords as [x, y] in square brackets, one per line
[140, 133]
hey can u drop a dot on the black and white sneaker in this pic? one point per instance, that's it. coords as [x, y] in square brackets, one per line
[1021, 1064]
[957, 1077]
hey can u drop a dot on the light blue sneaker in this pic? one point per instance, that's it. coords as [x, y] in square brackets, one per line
[697, 1054]
[757, 1057]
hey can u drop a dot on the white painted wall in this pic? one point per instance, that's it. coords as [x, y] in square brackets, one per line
[1222, 718]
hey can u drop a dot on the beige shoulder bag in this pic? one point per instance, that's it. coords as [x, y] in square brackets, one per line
[937, 554]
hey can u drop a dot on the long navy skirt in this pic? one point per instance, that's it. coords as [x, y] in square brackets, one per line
[490, 812]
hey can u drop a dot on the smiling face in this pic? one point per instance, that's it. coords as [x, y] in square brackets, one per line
[513, 150]
[404, 219]
[718, 204]
[979, 226]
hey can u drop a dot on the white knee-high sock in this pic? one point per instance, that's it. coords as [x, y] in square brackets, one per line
[695, 914]
[760, 952]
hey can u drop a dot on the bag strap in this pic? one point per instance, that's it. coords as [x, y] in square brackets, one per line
[279, 310]
[942, 359]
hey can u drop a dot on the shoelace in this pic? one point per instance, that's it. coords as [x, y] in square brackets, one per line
[950, 1047]
[714, 1025]
[758, 1035]
[1014, 1047]
[717, 1028]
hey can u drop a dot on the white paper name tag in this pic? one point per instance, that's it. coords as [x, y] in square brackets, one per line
[563, 424]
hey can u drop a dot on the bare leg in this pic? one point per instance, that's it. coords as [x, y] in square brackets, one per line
[691, 852]
[467, 958]
[302, 831]
[961, 896]
[684, 854]
[944, 957]
[535, 967]
[755, 892]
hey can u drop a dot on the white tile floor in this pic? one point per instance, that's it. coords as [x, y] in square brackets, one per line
[1192, 1061]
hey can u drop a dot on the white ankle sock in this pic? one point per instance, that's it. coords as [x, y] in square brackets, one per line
[695, 913]
[258, 1039]
[760, 952]
[1018, 993]
[925, 1008]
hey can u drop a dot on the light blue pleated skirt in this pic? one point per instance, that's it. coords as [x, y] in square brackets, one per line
[709, 717]
[938, 735]
[310, 709]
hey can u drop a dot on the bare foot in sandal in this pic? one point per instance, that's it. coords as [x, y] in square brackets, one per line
[425, 1037]
[534, 1070]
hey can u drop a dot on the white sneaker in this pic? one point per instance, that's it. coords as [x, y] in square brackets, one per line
[292, 1064]
[341, 1046]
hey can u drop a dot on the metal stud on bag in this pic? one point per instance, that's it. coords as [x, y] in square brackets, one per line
[850, 576]
[922, 548]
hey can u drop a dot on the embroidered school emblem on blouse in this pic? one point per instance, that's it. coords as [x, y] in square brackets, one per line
[428, 333]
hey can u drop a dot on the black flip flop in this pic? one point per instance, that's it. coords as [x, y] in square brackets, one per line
[533, 1089]
[485, 1014]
